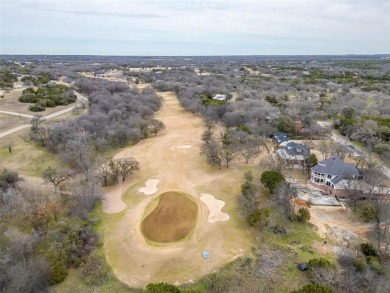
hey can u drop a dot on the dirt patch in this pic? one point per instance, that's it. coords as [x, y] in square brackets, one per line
[339, 225]
[173, 219]
[215, 206]
[150, 187]
[323, 247]
[300, 202]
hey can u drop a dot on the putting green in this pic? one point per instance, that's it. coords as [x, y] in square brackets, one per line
[173, 219]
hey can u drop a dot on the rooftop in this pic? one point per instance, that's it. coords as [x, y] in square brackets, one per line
[296, 149]
[280, 137]
[336, 167]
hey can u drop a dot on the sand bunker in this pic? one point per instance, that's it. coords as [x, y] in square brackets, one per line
[173, 219]
[214, 206]
[184, 146]
[150, 187]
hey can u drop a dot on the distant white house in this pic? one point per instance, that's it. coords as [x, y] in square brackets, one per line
[219, 97]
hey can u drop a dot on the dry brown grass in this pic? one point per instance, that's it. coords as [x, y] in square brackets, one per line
[134, 261]
[10, 121]
[11, 103]
[172, 220]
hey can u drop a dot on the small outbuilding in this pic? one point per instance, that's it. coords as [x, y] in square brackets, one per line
[219, 97]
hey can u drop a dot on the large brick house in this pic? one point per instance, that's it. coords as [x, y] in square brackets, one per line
[344, 180]
[328, 173]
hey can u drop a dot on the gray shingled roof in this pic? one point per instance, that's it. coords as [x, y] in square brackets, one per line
[280, 137]
[296, 149]
[336, 166]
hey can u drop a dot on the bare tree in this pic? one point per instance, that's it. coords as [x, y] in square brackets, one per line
[353, 190]
[126, 166]
[213, 152]
[104, 173]
[339, 150]
[157, 126]
[229, 153]
[249, 150]
[285, 194]
[325, 275]
[326, 148]
[56, 177]
[365, 161]
[36, 121]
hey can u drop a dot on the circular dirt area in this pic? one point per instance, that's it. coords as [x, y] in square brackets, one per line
[173, 218]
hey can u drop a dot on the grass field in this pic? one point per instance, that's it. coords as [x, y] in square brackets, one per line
[10, 121]
[11, 103]
[172, 219]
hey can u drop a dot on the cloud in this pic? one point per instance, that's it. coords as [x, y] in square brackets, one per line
[246, 26]
[108, 14]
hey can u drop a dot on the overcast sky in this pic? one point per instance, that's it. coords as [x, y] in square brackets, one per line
[194, 27]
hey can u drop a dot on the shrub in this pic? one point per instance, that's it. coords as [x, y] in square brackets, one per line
[258, 217]
[360, 264]
[368, 249]
[277, 229]
[94, 271]
[271, 179]
[8, 178]
[303, 215]
[58, 273]
[36, 108]
[366, 211]
[162, 288]
[374, 263]
[314, 288]
[320, 263]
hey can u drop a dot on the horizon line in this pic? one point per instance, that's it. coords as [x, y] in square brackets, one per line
[221, 55]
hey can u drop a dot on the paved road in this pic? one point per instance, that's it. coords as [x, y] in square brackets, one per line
[80, 100]
[341, 139]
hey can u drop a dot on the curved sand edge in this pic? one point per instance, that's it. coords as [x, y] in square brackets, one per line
[150, 187]
[215, 206]
[112, 202]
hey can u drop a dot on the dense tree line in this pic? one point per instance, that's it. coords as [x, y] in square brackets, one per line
[43, 234]
[291, 97]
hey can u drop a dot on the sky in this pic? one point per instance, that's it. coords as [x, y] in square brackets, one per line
[194, 27]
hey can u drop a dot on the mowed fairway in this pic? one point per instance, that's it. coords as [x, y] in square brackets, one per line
[172, 220]
[135, 260]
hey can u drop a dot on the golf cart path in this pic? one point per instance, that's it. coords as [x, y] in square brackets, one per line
[80, 99]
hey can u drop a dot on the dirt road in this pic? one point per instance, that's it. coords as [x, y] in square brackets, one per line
[179, 168]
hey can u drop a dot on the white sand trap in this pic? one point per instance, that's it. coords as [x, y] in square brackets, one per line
[150, 187]
[214, 206]
[184, 146]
